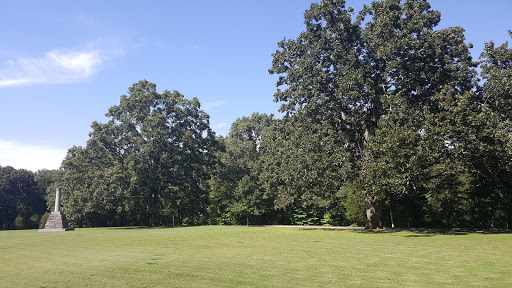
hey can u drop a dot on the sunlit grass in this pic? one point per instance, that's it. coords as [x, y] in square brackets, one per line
[234, 256]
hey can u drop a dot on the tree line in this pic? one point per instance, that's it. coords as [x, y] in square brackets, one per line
[23, 197]
[387, 121]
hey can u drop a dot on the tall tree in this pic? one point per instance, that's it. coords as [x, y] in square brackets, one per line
[153, 155]
[304, 166]
[494, 162]
[19, 196]
[235, 191]
[47, 182]
[379, 71]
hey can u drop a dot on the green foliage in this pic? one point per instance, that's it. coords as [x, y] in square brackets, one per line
[236, 196]
[387, 101]
[385, 123]
[305, 216]
[494, 160]
[304, 164]
[33, 221]
[220, 198]
[47, 182]
[353, 204]
[42, 221]
[327, 220]
[19, 196]
[153, 155]
[19, 223]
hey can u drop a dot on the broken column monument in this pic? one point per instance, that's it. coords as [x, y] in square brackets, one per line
[56, 221]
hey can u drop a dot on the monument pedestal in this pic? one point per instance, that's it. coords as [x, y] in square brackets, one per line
[56, 221]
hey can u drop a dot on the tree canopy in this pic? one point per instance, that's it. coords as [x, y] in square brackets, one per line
[20, 199]
[148, 164]
[404, 101]
[386, 120]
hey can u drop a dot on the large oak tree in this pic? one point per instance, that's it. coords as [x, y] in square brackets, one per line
[149, 163]
[373, 78]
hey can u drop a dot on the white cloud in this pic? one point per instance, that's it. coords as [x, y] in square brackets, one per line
[55, 67]
[213, 104]
[22, 156]
[81, 63]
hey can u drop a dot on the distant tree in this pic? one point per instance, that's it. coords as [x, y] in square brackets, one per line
[47, 182]
[248, 199]
[497, 71]
[19, 197]
[244, 149]
[42, 221]
[235, 190]
[153, 154]
[33, 221]
[19, 223]
[91, 196]
[305, 163]
[470, 134]
[244, 143]
[221, 187]
[494, 160]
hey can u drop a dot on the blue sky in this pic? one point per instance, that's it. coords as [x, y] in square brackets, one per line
[64, 63]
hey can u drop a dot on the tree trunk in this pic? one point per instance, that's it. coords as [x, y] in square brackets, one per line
[373, 213]
[153, 211]
[391, 216]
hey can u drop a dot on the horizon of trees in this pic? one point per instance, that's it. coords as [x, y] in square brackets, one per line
[23, 197]
[387, 122]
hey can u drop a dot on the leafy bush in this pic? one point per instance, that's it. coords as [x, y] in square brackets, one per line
[33, 221]
[305, 216]
[19, 223]
[43, 220]
[327, 220]
[353, 204]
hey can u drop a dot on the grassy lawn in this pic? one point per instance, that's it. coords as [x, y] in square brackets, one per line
[234, 256]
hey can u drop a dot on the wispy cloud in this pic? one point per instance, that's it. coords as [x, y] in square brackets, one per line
[213, 104]
[21, 156]
[109, 48]
[56, 67]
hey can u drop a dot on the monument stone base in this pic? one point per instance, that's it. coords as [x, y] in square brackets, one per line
[56, 223]
[56, 230]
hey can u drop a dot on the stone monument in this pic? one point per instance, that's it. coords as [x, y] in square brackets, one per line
[56, 221]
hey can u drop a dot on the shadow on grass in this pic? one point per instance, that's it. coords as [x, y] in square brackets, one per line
[417, 232]
[429, 232]
[143, 227]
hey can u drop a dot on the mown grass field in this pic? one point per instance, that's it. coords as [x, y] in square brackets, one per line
[234, 256]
